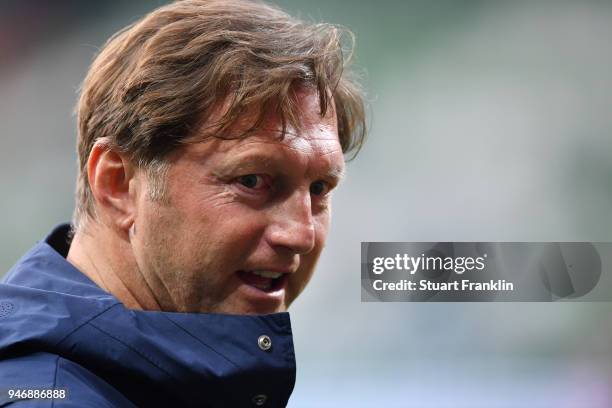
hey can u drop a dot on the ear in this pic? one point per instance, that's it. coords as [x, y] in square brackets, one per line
[113, 184]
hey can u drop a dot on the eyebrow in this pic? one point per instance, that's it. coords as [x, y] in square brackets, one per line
[244, 165]
[337, 173]
[248, 163]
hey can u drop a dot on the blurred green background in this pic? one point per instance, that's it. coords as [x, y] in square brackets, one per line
[490, 121]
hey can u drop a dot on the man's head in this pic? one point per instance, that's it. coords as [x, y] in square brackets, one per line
[210, 133]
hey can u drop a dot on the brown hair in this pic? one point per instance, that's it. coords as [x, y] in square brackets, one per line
[156, 82]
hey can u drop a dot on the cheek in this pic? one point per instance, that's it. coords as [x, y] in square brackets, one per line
[321, 225]
[159, 233]
[212, 235]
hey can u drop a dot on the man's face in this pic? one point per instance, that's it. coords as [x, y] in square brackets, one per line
[245, 220]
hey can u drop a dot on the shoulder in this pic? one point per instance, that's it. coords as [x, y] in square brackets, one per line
[46, 371]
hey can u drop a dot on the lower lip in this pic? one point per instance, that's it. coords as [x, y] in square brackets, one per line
[269, 300]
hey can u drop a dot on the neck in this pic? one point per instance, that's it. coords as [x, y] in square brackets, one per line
[107, 259]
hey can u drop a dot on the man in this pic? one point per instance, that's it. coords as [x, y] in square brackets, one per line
[211, 134]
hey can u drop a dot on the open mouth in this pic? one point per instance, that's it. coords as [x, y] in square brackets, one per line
[265, 281]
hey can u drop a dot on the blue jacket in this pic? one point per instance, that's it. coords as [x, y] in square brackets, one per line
[59, 330]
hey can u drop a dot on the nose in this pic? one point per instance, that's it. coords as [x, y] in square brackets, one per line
[293, 225]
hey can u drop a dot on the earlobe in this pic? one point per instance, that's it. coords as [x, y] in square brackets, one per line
[111, 179]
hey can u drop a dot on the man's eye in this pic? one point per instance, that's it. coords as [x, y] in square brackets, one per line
[319, 188]
[252, 181]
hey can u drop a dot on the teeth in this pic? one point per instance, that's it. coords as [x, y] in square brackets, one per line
[267, 274]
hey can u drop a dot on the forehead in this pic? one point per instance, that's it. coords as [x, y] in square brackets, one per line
[317, 138]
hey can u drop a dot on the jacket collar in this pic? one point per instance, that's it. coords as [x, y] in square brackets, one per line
[151, 357]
